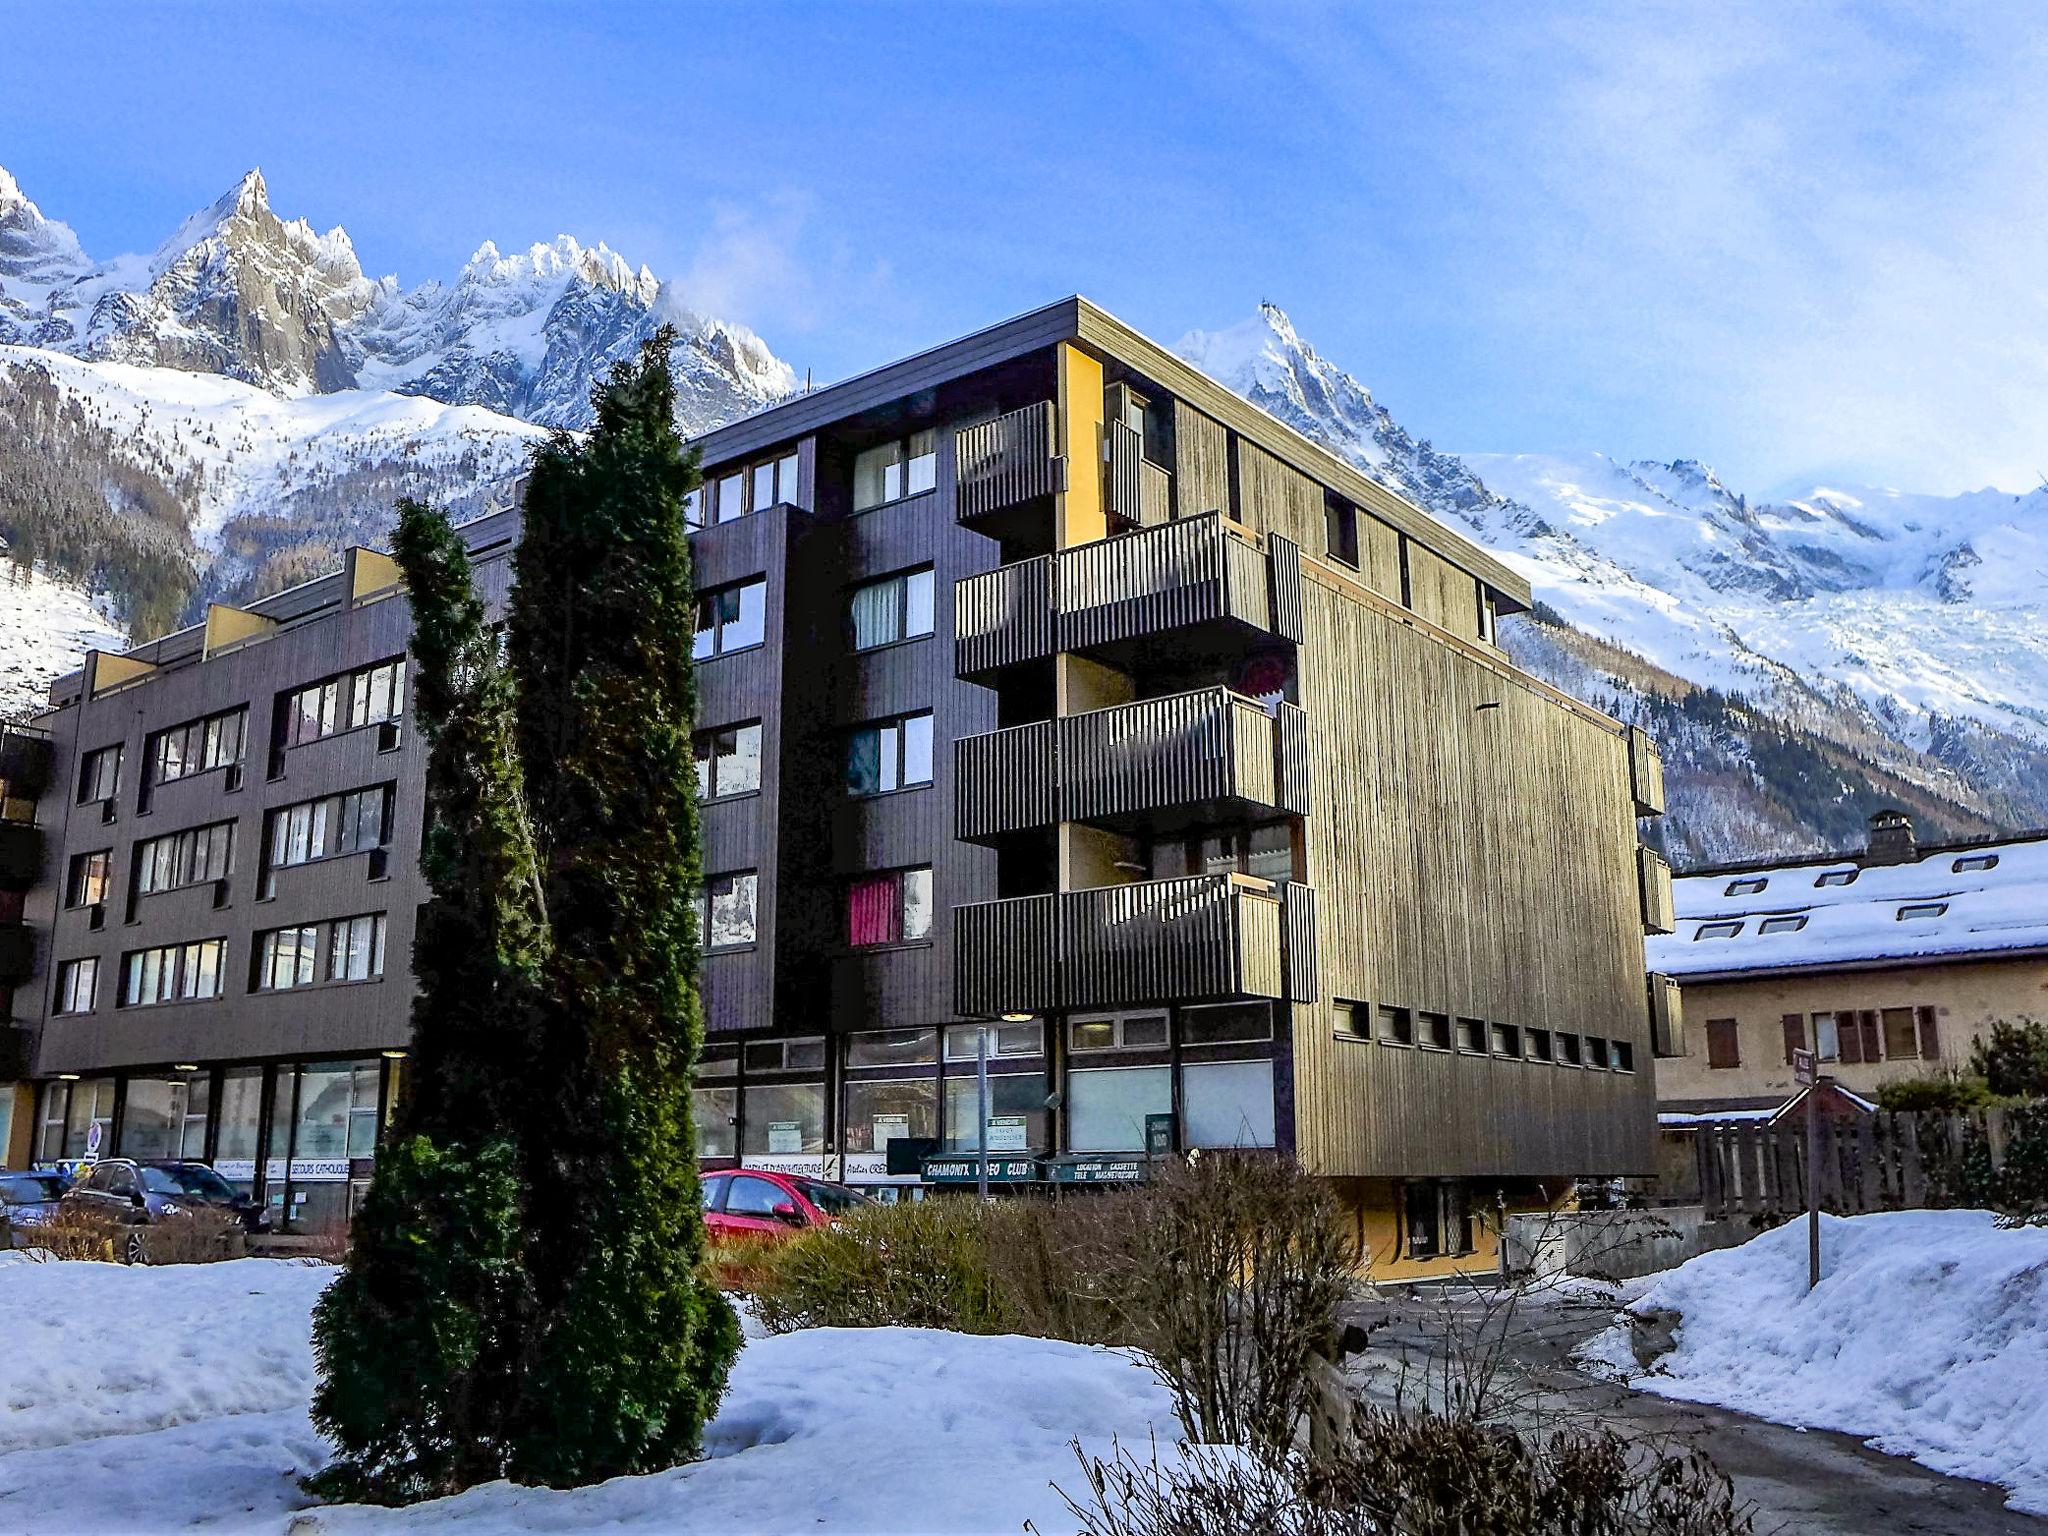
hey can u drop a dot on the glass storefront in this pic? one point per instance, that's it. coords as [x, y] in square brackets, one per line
[92, 1107]
[881, 1110]
[1227, 1104]
[1017, 1118]
[241, 1122]
[153, 1117]
[783, 1119]
[716, 1111]
[1107, 1106]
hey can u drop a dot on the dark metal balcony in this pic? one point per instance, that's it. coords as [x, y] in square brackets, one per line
[24, 762]
[1008, 461]
[1203, 937]
[1197, 577]
[17, 953]
[21, 854]
[1155, 765]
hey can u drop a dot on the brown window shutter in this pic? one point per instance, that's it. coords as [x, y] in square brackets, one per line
[1795, 1034]
[1872, 1050]
[1930, 1036]
[1847, 1040]
[1724, 1047]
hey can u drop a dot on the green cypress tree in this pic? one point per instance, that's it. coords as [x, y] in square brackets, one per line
[630, 1349]
[420, 1338]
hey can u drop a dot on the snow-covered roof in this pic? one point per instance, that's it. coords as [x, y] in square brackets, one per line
[1981, 898]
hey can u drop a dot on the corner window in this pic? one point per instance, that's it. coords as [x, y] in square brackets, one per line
[731, 619]
[729, 761]
[894, 608]
[891, 471]
[890, 755]
[891, 908]
[725, 911]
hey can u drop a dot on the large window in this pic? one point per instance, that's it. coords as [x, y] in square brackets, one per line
[78, 984]
[783, 1119]
[890, 471]
[343, 949]
[731, 618]
[367, 696]
[337, 1115]
[750, 488]
[895, 608]
[99, 775]
[890, 755]
[1901, 1035]
[890, 908]
[1227, 1104]
[729, 761]
[882, 1110]
[197, 746]
[86, 883]
[328, 828]
[1017, 1116]
[1107, 1106]
[192, 857]
[172, 973]
[725, 910]
[715, 1101]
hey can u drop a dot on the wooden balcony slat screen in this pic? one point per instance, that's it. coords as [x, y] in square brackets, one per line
[1008, 460]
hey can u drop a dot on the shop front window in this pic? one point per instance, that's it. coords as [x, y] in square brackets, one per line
[92, 1104]
[1017, 1120]
[1107, 1106]
[880, 1112]
[241, 1122]
[198, 1105]
[717, 1113]
[1227, 1104]
[784, 1119]
[153, 1118]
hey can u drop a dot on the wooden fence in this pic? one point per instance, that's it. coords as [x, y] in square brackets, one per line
[1879, 1162]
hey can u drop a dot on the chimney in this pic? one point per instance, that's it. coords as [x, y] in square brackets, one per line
[1891, 839]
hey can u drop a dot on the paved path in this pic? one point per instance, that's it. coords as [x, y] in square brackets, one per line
[1799, 1481]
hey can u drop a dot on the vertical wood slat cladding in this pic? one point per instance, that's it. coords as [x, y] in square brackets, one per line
[1463, 891]
[1283, 560]
[1298, 904]
[1379, 557]
[1293, 775]
[1003, 616]
[1275, 497]
[1645, 772]
[1008, 460]
[1125, 448]
[1653, 885]
[1201, 462]
[1442, 593]
[1006, 956]
[1003, 781]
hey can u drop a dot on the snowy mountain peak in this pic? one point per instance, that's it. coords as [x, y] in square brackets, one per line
[36, 254]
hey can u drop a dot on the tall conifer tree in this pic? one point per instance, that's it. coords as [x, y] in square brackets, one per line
[630, 1350]
[420, 1339]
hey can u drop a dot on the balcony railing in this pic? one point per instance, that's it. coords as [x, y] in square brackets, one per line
[1209, 750]
[1140, 491]
[1202, 937]
[1196, 571]
[24, 762]
[1007, 461]
[21, 855]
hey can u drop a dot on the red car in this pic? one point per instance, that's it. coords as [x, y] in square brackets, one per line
[754, 1203]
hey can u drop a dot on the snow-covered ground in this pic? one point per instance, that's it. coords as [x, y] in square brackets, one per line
[170, 1399]
[1927, 1336]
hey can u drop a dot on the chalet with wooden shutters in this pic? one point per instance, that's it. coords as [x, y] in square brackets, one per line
[1886, 962]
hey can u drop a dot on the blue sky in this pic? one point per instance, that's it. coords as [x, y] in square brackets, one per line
[1802, 242]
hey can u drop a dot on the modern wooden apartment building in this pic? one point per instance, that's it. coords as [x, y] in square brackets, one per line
[1044, 686]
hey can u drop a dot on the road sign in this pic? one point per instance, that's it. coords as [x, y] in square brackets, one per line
[1803, 1066]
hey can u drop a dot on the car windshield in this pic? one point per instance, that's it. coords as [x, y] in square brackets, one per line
[834, 1199]
[30, 1188]
[202, 1183]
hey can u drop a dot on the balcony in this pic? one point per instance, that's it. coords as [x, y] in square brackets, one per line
[21, 855]
[1187, 940]
[24, 762]
[1200, 581]
[1007, 462]
[17, 953]
[1156, 765]
[1139, 491]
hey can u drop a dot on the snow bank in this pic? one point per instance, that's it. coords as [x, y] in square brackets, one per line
[167, 1399]
[1928, 1335]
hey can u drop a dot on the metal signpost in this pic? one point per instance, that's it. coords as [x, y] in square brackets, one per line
[1805, 1070]
[981, 1106]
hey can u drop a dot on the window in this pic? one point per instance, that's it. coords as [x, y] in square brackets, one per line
[1437, 1218]
[1971, 862]
[1507, 1041]
[1782, 924]
[783, 1119]
[172, 973]
[344, 949]
[717, 1115]
[890, 755]
[1914, 911]
[890, 471]
[197, 747]
[1226, 1023]
[892, 908]
[1539, 1045]
[1716, 931]
[882, 1110]
[78, 981]
[1227, 1104]
[892, 1048]
[1901, 1039]
[1837, 877]
[179, 859]
[367, 696]
[804, 1055]
[1724, 1044]
[1489, 615]
[1340, 530]
[1107, 1106]
[1003, 1040]
[1266, 852]
[1017, 1120]
[729, 762]
[895, 608]
[749, 488]
[377, 694]
[1434, 1030]
[1827, 1039]
[337, 1115]
[1397, 1027]
[725, 910]
[731, 618]
[1472, 1036]
[86, 884]
[329, 828]
[1569, 1051]
[1117, 1031]
[1351, 1021]
[1745, 887]
[1596, 1053]
[99, 776]
[1621, 1055]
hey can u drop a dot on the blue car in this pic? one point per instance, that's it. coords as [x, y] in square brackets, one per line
[28, 1200]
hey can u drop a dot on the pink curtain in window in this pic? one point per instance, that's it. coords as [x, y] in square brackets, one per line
[871, 911]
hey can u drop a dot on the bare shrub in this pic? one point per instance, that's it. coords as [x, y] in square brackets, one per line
[72, 1233]
[192, 1237]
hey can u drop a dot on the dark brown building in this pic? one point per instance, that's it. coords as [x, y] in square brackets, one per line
[1044, 685]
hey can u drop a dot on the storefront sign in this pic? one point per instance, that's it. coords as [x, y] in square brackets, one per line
[319, 1170]
[1114, 1169]
[785, 1137]
[870, 1168]
[235, 1167]
[1006, 1133]
[814, 1165]
[967, 1170]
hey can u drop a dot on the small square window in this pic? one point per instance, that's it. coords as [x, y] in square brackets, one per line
[1569, 1051]
[1472, 1036]
[1434, 1030]
[1351, 1021]
[1539, 1044]
[1596, 1053]
[1623, 1055]
[1397, 1027]
[1507, 1041]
